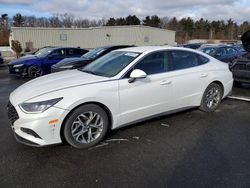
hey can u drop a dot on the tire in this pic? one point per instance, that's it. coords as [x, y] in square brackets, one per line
[34, 71]
[211, 98]
[82, 132]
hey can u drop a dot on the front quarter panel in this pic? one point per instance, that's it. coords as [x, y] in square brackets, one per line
[105, 93]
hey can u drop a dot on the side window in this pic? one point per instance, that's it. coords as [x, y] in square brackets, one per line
[154, 63]
[80, 51]
[58, 53]
[220, 52]
[184, 59]
[231, 51]
[202, 60]
[71, 52]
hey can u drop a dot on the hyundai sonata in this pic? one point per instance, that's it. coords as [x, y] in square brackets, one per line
[120, 88]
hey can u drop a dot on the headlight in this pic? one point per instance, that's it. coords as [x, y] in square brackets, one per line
[38, 107]
[19, 65]
[66, 67]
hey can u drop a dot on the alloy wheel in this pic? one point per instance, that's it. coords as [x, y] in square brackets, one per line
[213, 97]
[87, 127]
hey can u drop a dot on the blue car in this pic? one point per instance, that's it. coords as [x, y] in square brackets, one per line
[223, 53]
[40, 63]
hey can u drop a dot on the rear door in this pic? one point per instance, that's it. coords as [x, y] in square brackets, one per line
[189, 77]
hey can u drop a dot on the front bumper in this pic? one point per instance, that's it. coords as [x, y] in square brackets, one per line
[36, 129]
[21, 71]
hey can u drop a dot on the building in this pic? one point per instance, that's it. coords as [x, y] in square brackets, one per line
[214, 41]
[139, 35]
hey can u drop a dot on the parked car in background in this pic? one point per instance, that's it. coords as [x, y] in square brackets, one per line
[1, 59]
[122, 87]
[74, 63]
[241, 66]
[223, 53]
[40, 63]
[240, 48]
[193, 45]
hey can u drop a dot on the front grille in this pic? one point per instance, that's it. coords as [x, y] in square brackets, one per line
[12, 113]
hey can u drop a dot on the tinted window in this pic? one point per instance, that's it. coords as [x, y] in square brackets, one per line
[58, 53]
[220, 52]
[209, 51]
[231, 51]
[185, 59]
[202, 60]
[75, 52]
[154, 63]
[70, 52]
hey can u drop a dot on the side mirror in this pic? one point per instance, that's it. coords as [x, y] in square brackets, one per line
[136, 74]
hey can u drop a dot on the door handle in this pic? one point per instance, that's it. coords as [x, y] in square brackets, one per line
[203, 75]
[166, 82]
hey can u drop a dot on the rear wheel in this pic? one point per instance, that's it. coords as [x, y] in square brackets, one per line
[211, 98]
[34, 71]
[86, 126]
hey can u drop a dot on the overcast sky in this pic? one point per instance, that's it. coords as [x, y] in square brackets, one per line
[238, 10]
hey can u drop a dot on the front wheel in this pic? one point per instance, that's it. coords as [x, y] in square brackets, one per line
[86, 126]
[211, 98]
[34, 71]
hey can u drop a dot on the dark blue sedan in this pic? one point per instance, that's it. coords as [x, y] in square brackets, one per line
[40, 63]
[223, 53]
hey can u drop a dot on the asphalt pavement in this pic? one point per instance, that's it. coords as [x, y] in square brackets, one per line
[186, 149]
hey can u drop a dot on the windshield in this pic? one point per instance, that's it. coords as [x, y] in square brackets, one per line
[93, 53]
[43, 52]
[110, 64]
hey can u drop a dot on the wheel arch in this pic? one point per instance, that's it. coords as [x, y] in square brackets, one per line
[220, 84]
[104, 107]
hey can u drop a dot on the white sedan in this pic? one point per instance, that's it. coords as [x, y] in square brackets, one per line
[121, 88]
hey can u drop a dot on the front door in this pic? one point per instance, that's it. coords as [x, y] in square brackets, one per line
[147, 96]
[53, 58]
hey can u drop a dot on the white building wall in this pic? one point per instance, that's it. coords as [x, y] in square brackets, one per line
[93, 37]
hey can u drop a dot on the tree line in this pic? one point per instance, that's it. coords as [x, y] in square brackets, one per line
[186, 28]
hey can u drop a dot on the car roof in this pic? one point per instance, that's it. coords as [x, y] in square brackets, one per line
[214, 46]
[114, 46]
[143, 49]
[54, 48]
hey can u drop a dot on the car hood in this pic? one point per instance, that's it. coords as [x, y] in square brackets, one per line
[24, 59]
[70, 61]
[52, 82]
